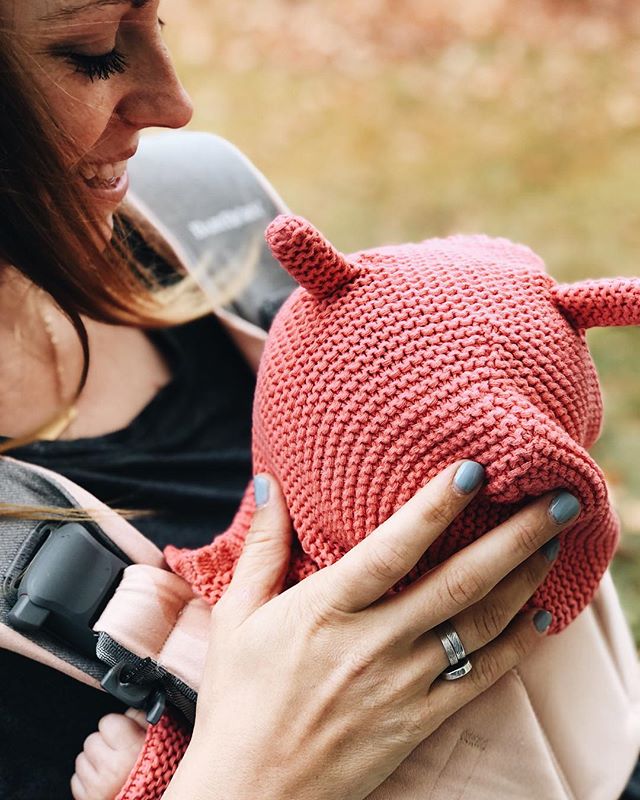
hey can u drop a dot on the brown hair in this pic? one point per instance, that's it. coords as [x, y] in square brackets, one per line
[48, 236]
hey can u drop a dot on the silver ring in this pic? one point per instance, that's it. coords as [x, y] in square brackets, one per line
[448, 647]
[447, 630]
[459, 671]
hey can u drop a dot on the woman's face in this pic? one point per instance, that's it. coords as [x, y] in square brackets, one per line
[105, 74]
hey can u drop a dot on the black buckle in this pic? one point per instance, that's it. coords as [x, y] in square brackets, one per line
[66, 586]
[64, 590]
[151, 697]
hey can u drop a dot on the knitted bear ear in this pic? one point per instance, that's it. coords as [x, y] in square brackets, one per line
[601, 303]
[308, 256]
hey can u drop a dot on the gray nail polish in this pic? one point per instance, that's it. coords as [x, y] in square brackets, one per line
[261, 491]
[542, 621]
[550, 549]
[564, 507]
[469, 476]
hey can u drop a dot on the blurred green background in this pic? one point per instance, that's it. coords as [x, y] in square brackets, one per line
[392, 120]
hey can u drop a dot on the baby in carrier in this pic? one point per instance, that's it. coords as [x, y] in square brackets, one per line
[381, 369]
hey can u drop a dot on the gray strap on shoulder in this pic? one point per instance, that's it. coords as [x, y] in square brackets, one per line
[22, 625]
[215, 205]
[58, 578]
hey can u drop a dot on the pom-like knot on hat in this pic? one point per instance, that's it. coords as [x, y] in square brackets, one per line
[306, 255]
[417, 356]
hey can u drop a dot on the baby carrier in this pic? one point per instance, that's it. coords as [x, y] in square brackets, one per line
[86, 598]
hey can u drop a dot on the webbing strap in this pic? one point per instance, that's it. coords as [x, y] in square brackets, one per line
[153, 681]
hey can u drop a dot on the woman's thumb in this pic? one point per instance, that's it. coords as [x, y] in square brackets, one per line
[262, 567]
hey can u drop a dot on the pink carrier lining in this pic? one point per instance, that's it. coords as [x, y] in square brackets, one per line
[154, 613]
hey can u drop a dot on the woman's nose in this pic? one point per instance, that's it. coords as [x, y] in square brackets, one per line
[156, 98]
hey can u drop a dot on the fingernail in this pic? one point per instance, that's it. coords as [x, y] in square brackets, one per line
[261, 491]
[564, 507]
[551, 548]
[469, 476]
[542, 621]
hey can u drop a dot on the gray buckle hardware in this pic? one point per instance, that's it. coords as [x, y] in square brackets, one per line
[151, 697]
[63, 591]
[66, 586]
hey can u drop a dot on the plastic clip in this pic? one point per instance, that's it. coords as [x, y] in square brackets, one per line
[151, 697]
[66, 585]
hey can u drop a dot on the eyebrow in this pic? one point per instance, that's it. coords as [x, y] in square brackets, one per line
[71, 11]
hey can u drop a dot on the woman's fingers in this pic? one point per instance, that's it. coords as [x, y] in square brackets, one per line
[470, 574]
[374, 565]
[486, 620]
[490, 664]
[263, 563]
[474, 571]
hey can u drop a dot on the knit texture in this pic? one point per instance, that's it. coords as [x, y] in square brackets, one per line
[164, 746]
[387, 365]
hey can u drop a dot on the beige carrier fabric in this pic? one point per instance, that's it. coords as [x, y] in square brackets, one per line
[154, 614]
[564, 726]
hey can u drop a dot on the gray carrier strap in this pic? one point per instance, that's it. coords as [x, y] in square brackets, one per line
[214, 206]
[94, 599]
[20, 541]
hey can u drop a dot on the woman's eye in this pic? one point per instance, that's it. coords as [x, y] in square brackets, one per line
[98, 67]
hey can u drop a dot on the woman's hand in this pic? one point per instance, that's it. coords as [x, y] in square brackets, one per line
[322, 691]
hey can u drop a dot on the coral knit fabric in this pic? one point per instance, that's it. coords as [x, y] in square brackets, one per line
[387, 365]
[164, 747]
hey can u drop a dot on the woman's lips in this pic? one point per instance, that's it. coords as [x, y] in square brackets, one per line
[112, 191]
[107, 180]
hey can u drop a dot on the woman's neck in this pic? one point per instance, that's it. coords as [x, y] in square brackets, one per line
[29, 372]
[126, 369]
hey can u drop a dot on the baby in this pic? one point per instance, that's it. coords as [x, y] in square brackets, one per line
[383, 367]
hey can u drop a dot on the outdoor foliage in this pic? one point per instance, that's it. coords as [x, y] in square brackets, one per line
[390, 120]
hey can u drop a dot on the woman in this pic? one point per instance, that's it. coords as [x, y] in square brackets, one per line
[158, 423]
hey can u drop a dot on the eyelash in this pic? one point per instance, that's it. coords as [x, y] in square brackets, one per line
[100, 67]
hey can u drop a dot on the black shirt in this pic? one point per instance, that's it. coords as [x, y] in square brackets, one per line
[187, 455]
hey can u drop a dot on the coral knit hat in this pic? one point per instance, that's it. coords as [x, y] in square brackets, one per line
[389, 364]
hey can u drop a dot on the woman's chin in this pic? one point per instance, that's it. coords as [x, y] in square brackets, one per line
[104, 204]
[103, 227]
